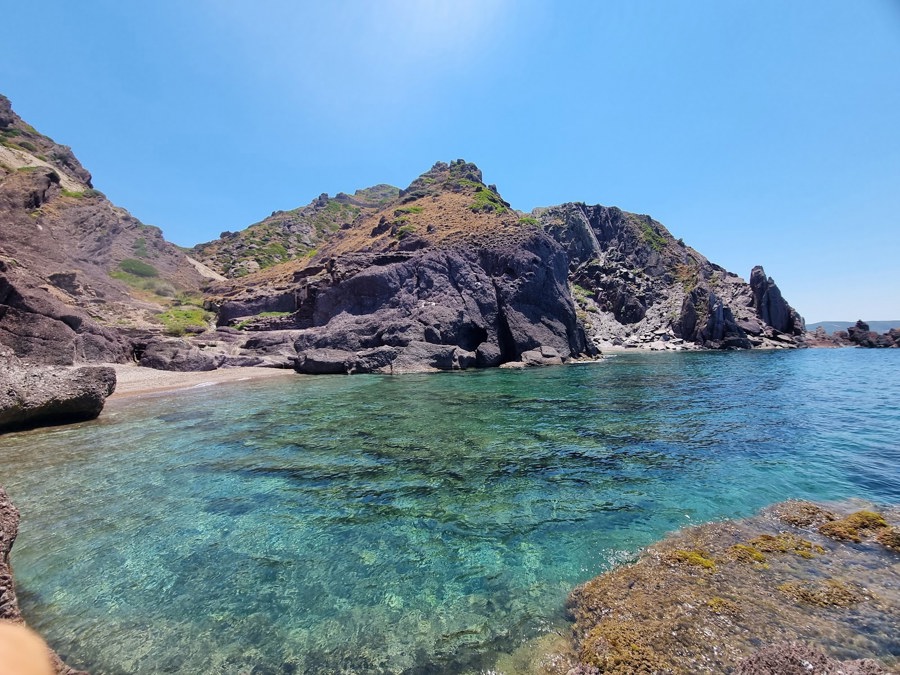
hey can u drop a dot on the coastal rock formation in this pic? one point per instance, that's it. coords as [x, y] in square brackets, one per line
[74, 268]
[858, 335]
[771, 307]
[9, 605]
[861, 336]
[41, 396]
[448, 278]
[636, 286]
[706, 598]
[443, 274]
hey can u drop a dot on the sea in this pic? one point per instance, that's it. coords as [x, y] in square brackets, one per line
[426, 523]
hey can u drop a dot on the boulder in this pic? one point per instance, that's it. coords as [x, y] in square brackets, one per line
[180, 355]
[543, 356]
[45, 396]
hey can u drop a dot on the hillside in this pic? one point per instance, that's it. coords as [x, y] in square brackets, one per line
[449, 265]
[288, 235]
[443, 274]
[75, 268]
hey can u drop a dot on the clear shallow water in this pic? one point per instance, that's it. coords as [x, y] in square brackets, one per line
[415, 523]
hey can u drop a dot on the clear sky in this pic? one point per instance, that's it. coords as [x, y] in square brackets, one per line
[760, 131]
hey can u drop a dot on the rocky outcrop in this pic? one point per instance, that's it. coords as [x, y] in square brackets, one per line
[706, 599]
[637, 286]
[42, 396]
[41, 329]
[9, 605]
[437, 309]
[861, 336]
[448, 277]
[771, 307]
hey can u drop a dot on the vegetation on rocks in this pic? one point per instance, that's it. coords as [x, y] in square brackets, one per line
[702, 600]
[177, 321]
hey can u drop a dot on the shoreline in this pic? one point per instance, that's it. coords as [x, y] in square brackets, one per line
[136, 381]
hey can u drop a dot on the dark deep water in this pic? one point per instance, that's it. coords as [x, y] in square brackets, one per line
[428, 522]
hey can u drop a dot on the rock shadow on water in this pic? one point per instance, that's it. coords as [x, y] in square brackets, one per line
[798, 581]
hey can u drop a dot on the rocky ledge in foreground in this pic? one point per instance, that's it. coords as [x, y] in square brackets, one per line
[47, 395]
[9, 605]
[799, 588]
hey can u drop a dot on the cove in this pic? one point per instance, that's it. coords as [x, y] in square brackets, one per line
[418, 523]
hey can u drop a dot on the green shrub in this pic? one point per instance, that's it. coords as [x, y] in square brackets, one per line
[140, 248]
[180, 320]
[138, 268]
[487, 200]
[528, 220]
[405, 231]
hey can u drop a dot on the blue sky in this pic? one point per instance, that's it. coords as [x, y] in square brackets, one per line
[760, 131]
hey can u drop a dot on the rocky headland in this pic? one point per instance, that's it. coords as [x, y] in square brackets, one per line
[443, 274]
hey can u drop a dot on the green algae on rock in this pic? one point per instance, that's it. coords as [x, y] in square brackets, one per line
[854, 526]
[659, 615]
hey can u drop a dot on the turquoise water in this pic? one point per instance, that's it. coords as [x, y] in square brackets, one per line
[417, 524]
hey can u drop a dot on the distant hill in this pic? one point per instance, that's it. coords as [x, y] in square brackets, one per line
[832, 326]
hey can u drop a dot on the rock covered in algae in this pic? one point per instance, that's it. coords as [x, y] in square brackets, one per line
[708, 599]
[795, 658]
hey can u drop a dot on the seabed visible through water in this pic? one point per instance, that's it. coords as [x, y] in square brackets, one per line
[419, 523]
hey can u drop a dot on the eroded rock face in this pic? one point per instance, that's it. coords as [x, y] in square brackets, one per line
[437, 309]
[42, 396]
[9, 605]
[771, 307]
[636, 285]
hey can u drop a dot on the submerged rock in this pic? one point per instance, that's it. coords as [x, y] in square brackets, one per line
[9, 605]
[794, 658]
[44, 396]
[708, 598]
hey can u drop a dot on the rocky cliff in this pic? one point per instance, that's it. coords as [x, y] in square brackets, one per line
[442, 274]
[636, 285]
[448, 275]
[74, 268]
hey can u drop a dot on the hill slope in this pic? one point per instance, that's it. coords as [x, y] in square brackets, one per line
[448, 275]
[74, 267]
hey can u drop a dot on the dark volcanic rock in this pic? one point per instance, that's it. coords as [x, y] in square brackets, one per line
[771, 307]
[438, 309]
[861, 336]
[31, 397]
[9, 605]
[636, 284]
[41, 329]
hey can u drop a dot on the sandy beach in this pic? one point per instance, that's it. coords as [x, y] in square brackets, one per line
[138, 381]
